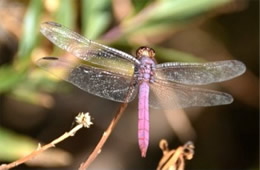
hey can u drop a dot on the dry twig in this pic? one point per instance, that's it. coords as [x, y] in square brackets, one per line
[104, 138]
[83, 120]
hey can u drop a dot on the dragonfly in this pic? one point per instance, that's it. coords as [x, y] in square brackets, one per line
[115, 75]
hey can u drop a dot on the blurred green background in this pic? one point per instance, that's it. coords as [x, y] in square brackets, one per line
[36, 107]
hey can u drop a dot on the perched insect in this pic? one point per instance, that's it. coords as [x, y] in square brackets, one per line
[118, 76]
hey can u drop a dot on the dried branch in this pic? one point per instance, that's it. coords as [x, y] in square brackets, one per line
[83, 120]
[175, 159]
[104, 138]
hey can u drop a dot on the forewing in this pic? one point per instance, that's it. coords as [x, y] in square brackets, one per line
[99, 82]
[199, 73]
[88, 50]
[172, 95]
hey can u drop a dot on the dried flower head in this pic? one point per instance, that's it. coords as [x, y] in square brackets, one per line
[84, 119]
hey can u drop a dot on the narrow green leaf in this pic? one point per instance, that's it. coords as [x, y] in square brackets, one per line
[96, 17]
[171, 55]
[30, 29]
[139, 5]
[169, 13]
[179, 9]
[14, 146]
[9, 78]
[66, 13]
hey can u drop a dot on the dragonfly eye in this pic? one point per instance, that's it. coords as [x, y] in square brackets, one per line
[145, 52]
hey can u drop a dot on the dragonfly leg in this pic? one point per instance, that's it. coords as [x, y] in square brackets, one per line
[151, 79]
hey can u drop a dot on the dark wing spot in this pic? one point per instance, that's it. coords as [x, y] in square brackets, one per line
[53, 24]
[50, 58]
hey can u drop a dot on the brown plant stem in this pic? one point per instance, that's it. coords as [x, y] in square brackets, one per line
[82, 122]
[104, 138]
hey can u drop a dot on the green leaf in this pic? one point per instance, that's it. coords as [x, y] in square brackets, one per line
[66, 13]
[31, 89]
[14, 146]
[182, 9]
[30, 30]
[9, 78]
[169, 13]
[96, 17]
[139, 5]
[170, 55]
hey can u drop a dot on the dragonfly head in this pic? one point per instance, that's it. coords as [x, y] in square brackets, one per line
[145, 52]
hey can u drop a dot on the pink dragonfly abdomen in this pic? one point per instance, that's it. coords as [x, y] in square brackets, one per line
[143, 118]
[145, 77]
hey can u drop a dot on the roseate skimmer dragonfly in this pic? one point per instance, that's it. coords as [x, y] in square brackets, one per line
[118, 76]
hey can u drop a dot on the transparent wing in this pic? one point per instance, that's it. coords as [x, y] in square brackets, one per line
[116, 87]
[172, 95]
[88, 50]
[199, 73]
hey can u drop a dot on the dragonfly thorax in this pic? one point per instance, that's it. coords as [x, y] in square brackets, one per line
[146, 70]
